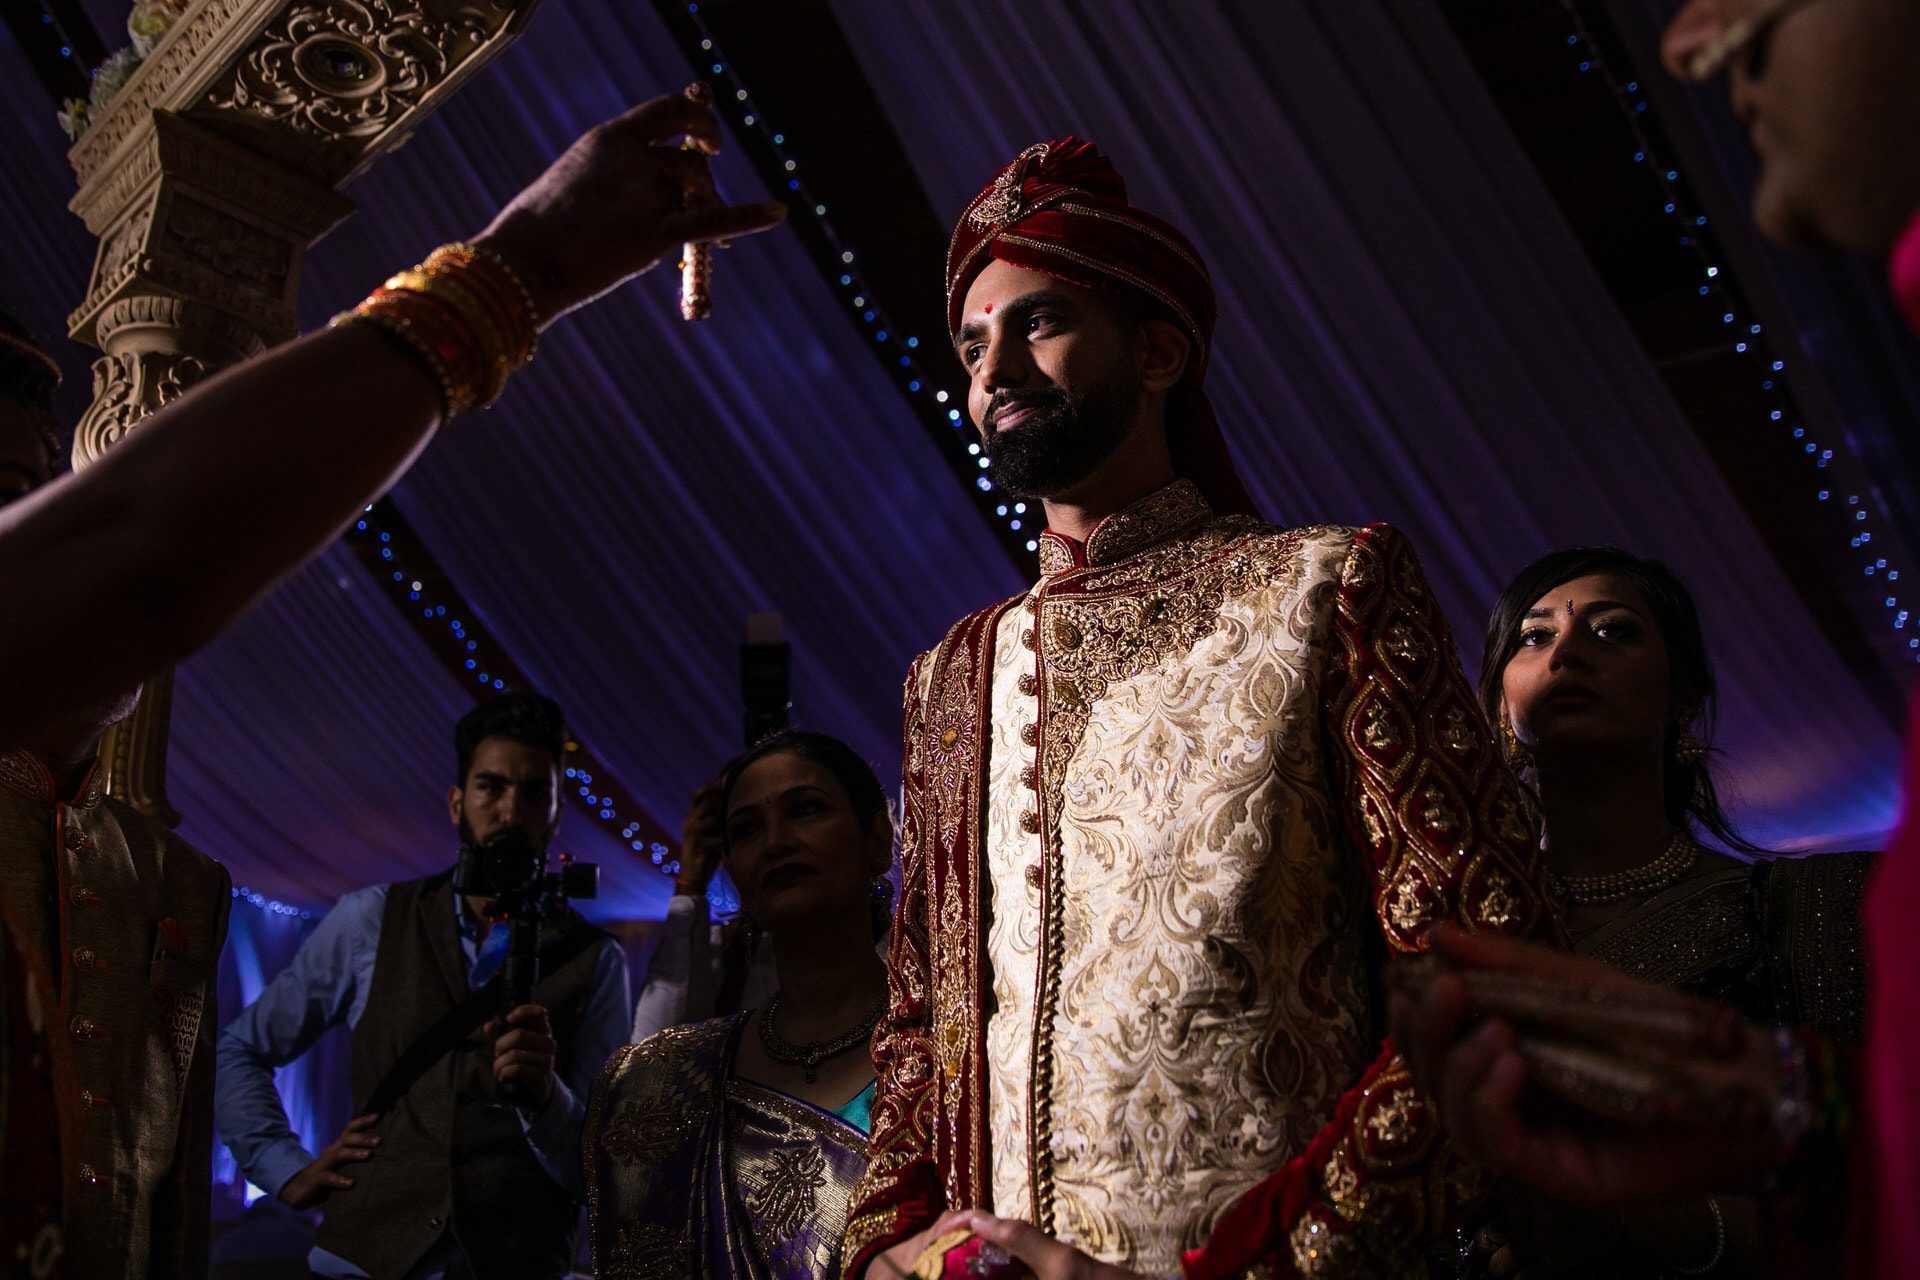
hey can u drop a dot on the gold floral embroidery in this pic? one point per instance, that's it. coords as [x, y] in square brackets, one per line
[1342, 1181]
[1436, 815]
[952, 990]
[1395, 1121]
[788, 1198]
[645, 1129]
[953, 744]
[1458, 733]
[1498, 907]
[1508, 822]
[1408, 909]
[1380, 733]
[1153, 519]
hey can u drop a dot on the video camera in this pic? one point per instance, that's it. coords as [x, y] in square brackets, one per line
[512, 871]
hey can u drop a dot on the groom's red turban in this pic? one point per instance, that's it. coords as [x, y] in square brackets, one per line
[1061, 208]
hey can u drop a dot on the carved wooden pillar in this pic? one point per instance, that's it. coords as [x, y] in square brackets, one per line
[206, 180]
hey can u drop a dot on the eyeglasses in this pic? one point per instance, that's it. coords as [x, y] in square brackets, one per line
[1738, 37]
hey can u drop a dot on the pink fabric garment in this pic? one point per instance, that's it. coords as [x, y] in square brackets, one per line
[1903, 269]
[1887, 1172]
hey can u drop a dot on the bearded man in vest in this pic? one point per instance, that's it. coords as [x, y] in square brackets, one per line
[446, 1181]
[1164, 813]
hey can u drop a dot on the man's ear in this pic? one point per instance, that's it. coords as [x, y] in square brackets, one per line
[1165, 351]
[453, 805]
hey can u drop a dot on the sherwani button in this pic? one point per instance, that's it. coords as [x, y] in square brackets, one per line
[81, 896]
[1034, 874]
[434, 1223]
[83, 958]
[88, 1178]
[1028, 685]
[1030, 822]
[1030, 734]
[84, 1028]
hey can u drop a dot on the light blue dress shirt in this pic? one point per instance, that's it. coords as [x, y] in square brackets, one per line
[327, 984]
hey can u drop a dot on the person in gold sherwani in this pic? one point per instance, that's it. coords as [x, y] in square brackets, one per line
[1165, 814]
[128, 921]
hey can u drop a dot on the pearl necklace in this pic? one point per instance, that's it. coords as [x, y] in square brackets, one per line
[1647, 878]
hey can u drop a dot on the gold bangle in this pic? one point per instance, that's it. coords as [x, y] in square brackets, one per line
[464, 311]
[455, 289]
[497, 272]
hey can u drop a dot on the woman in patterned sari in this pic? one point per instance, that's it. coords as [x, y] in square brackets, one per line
[726, 1149]
[1595, 670]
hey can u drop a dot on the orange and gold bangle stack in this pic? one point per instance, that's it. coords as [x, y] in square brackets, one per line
[465, 312]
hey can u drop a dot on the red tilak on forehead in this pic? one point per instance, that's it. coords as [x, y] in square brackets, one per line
[989, 308]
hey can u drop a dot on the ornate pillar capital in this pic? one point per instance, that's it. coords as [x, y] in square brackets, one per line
[206, 179]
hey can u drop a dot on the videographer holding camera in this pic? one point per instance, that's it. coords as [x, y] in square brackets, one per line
[465, 1162]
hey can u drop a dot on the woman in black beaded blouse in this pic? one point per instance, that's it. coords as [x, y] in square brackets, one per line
[1595, 671]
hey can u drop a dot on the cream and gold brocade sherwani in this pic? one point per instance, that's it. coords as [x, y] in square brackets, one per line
[130, 920]
[1159, 813]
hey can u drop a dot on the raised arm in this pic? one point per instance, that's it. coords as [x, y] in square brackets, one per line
[150, 553]
[1445, 835]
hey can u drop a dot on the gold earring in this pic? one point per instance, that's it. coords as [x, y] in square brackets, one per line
[1689, 750]
[1519, 755]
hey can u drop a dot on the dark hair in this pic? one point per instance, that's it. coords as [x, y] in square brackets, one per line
[29, 382]
[531, 719]
[855, 776]
[1691, 799]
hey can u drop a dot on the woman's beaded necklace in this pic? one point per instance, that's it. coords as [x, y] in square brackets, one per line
[1649, 877]
[809, 1056]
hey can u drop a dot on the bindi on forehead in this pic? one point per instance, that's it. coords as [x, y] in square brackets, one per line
[989, 308]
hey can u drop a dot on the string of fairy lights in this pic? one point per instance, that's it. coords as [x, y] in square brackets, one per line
[425, 597]
[1717, 289]
[900, 352]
